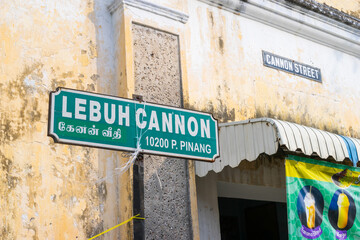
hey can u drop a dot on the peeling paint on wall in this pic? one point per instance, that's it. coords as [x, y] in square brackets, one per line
[227, 76]
[49, 191]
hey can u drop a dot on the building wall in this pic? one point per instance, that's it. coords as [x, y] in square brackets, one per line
[228, 78]
[53, 191]
[47, 190]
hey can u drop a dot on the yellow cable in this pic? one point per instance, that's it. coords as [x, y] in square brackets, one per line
[133, 217]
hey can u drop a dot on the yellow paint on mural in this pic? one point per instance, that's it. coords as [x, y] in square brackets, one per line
[298, 169]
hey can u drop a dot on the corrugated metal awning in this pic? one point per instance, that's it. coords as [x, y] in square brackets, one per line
[246, 140]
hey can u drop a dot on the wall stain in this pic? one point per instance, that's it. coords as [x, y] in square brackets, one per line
[21, 111]
[17, 88]
[8, 131]
[23, 107]
[91, 226]
[306, 121]
[92, 49]
[7, 167]
[102, 191]
[34, 181]
[211, 17]
[30, 226]
[94, 230]
[79, 83]
[90, 87]
[67, 74]
[7, 232]
[221, 45]
[218, 107]
[34, 114]
[55, 83]
[95, 77]
[8, 183]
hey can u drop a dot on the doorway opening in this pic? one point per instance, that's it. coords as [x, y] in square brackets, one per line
[243, 219]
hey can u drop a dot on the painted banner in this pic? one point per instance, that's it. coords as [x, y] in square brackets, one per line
[323, 199]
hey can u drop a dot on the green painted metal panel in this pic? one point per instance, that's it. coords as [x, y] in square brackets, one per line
[96, 120]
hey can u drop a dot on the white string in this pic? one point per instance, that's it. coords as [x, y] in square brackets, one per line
[133, 156]
[131, 160]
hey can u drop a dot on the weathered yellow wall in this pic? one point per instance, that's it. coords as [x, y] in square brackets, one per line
[52, 191]
[351, 7]
[47, 190]
[227, 76]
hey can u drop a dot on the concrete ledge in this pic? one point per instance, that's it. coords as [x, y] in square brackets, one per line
[298, 21]
[150, 7]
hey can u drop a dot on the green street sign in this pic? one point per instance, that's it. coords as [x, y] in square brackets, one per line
[96, 120]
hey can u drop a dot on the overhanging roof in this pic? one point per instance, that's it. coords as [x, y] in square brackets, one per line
[246, 140]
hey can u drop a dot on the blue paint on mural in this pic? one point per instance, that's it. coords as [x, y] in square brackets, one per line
[351, 150]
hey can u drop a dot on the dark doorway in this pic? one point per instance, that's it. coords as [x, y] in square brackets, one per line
[251, 220]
